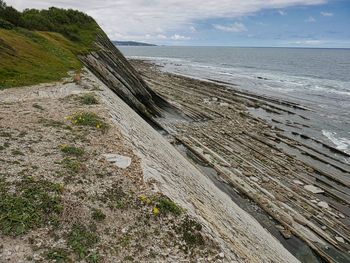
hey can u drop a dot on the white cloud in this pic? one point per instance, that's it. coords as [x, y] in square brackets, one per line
[282, 13]
[179, 37]
[193, 29]
[308, 42]
[311, 19]
[326, 14]
[136, 18]
[235, 27]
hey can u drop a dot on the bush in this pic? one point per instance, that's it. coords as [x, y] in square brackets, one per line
[88, 99]
[71, 150]
[5, 24]
[165, 205]
[89, 119]
[81, 240]
[33, 204]
[11, 15]
[70, 23]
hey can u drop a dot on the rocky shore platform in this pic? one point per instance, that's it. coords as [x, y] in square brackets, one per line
[72, 187]
[300, 183]
[85, 178]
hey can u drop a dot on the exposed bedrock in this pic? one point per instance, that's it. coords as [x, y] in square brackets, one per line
[113, 69]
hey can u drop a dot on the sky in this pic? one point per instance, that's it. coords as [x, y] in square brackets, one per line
[258, 23]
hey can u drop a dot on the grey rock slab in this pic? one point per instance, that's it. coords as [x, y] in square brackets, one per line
[323, 204]
[298, 182]
[118, 160]
[340, 239]
[313, 189]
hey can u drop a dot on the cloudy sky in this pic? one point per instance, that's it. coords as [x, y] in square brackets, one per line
[312, 23]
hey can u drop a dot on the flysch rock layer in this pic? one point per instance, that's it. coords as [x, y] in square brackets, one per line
[241, 237]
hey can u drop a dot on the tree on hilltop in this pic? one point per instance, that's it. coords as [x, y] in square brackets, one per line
[2, 4]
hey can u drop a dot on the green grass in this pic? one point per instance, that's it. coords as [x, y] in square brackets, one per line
[98, 215]
[58, 255]
[29, 57]
[82, 240]
[17, 152]
[72, 165]
[129, 258]
[165, 205]
[190, 230]
[52, 123]
[94, 257]
[32, 204]
[88, 99]
[37, 106]
[115, 197]
[89, 119]
[72, 150]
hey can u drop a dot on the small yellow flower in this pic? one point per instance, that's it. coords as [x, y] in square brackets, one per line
[155, 211]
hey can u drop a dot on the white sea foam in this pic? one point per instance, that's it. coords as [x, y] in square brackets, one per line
[342, 144]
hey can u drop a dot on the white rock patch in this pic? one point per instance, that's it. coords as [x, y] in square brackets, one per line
[118, 160]
[313, 189]
[323, 204]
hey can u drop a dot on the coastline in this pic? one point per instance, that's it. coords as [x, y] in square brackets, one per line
[157, 169]
[218, 162]
[259, 159]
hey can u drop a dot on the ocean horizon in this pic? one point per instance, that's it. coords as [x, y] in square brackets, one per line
[316, 78]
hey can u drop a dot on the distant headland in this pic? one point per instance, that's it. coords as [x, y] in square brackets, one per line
[133, 43]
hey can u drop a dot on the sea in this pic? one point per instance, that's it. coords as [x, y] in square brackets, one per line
[317, 79]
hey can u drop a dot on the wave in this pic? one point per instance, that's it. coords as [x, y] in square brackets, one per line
[274, 80]
[342, 144]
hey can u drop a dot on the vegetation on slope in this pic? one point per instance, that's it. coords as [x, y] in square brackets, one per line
[42, 45]
[62, 200]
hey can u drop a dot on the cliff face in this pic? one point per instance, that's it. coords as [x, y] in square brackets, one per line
[113, 69]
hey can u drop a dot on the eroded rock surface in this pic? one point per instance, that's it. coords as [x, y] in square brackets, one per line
[114, 70]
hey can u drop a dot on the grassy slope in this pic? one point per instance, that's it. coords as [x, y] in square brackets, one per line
[31, 57]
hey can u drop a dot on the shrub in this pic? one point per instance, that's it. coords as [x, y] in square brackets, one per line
[165, 206]
[98, 215]
[71, 150]
[72, 165]
[5, 24]
[70, 23]
[33, 204]
[89, 119]
[190, 231]
[88, 99]
[81, 240]
[58, 255]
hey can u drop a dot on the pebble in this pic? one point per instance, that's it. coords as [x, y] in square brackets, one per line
[340, 239]
[286, 233]
[280, 227]
[298, 182]
[254, 179]
[323, 227]
[313, 189]
[323, 204]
